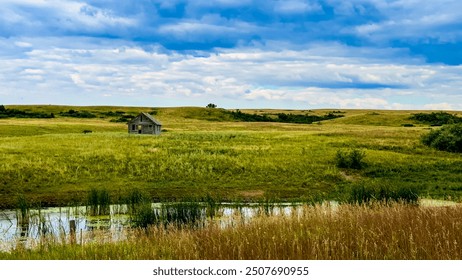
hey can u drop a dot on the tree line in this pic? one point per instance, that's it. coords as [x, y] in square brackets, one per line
[15, 113]
[283, 117]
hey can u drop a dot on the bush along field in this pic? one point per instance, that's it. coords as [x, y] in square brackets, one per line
[448, 138]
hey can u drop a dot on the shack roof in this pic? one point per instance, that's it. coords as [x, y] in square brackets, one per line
[149, 117]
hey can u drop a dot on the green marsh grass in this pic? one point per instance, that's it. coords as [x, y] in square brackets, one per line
[363, 193]
[23, 209]
[177, 214]
[98, 202]
[212, 206]
[135, 199]
[144, 216]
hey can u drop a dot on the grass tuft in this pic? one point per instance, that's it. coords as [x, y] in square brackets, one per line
[177, 214]
[98, 202]
[363, 193]
[353, 159]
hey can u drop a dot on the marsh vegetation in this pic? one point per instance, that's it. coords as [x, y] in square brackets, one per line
[375, 231]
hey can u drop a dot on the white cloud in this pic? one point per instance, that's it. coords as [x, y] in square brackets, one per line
[296, 7]
[207, 28]
[441, 106]
[218, 3]
[412, 20]
[35, 18]
[244, 77]
[23, 44]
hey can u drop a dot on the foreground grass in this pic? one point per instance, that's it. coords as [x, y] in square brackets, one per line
[348, 232]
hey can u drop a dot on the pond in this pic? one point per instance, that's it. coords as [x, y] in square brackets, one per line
[63, 223]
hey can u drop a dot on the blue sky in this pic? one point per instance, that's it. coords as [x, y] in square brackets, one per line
[380, 54]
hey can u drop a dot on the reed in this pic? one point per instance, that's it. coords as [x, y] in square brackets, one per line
[266, 206]
[144, 215]
[23, 209]
[178, 214]
[366, 193]
[135, 199]
[98, 202]
[212, 206]
[346, 232]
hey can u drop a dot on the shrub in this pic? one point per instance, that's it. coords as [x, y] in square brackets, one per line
[447, 138]
[77, 114]
[436, 118]
[365, 193]
[353, 159]
[283, 118]
[15, 113]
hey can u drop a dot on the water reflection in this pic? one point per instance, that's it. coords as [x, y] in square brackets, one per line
[75, 225]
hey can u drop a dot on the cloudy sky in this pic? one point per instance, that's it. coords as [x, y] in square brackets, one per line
[382, 54]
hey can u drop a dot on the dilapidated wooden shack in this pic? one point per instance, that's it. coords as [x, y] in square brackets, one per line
[144, 123]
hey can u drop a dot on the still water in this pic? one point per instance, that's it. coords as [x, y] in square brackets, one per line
[56, 222]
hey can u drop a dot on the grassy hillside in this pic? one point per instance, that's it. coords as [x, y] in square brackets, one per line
[205, 152]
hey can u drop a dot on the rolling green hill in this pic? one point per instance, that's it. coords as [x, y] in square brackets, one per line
[205, 151]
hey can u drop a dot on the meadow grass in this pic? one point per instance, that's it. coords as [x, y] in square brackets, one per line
[51, 162]
[374, 232]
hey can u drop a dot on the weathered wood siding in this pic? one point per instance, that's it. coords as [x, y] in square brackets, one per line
[143, 124]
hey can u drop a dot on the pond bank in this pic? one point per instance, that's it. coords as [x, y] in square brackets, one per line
[59, 223]
[322, 232]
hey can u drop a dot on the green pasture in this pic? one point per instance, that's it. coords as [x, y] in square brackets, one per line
[203, 152]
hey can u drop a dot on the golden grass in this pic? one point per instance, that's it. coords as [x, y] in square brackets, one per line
[351, 232]
[347, 232]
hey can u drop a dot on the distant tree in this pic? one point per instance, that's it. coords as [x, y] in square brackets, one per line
[211, 105]
[2, 108]
[436, 118]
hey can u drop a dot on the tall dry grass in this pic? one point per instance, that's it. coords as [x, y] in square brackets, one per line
[348, 232]
[351, 232]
